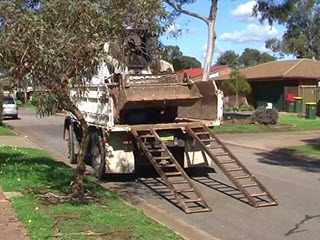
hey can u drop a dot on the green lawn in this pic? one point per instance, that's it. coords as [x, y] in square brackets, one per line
[5, 131]
[300, 123]
[306, 149]
[286, 123]
[22, 168]
[29, 106]
[237, 128]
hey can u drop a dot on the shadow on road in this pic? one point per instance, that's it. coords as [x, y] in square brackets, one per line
[222, 188]
[298, 225]
[159, 188]
[289, 158]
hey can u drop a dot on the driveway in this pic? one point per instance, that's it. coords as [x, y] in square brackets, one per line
[295, 182]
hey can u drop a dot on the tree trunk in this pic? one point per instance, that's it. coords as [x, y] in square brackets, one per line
[237, 99]
[78, 190]
[1, 104]
[25, 94]
[210, 50]
[210, 21]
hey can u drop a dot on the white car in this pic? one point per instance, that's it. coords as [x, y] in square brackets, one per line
[10, 108]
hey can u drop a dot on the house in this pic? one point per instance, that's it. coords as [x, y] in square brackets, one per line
[196, 73]
[271, 82]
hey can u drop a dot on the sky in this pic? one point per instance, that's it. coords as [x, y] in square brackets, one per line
[236, 29]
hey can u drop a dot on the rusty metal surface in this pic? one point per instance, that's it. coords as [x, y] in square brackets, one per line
[153, 92]
[175, 94]
[148, 79]
[205, 108]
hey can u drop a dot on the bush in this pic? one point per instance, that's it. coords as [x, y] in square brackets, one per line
[34, 101]
[19, 103]
[265, 116]
[246, 108]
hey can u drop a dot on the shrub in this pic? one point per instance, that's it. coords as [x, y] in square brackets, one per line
[19, 102]
[265, 116]
[244, 108]
[34, 101]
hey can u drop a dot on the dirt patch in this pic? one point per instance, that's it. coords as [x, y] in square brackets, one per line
[237, 121]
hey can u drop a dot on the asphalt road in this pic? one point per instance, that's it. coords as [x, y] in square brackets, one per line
[295, 182]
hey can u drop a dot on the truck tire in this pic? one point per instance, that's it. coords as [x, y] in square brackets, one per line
[98, 156]
[72, 154]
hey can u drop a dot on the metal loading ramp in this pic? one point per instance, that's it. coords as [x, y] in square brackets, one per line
[256, 193]
[171, 172]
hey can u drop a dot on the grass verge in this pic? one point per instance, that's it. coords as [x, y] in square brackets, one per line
[237, 128]
[29, 106]
[300, 123]
[306, 149]
[286, 123]
[22, 168]
[5, 131]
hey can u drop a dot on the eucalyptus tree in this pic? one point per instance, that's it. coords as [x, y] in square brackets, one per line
[59, 43]
[177, 5]
[301, 19]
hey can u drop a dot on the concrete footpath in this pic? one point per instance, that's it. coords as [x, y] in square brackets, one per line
[16, 141]
[10, 227]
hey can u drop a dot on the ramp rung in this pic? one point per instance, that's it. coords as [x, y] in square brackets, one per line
[258, 194]
[249, 185]
[267, 204]
[227, 162]
[146, 136]
[216, 147]
[167, 165]
[161, 158]
[198, 210]
[171, 174]
[221, 154]
[234, 169]
[185, 190]
[242, 177]
[156, 150]
[193, 200]
[179, 182]
[201, 133]
[208, 140]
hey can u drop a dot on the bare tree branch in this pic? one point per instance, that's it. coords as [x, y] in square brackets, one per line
[181, 10]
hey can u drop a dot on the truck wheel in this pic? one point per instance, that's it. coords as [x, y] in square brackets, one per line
[72, 154]
[98, 157]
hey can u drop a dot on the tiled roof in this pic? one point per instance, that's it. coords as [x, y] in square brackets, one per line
[195, 72]
[288, 69]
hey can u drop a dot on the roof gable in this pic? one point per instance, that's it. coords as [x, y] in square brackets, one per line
[195, 72]
[298, 69]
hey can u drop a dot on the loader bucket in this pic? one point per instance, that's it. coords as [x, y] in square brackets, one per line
[203, 109]
[156, 93]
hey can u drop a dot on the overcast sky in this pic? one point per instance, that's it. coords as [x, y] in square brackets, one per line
[236, 29]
